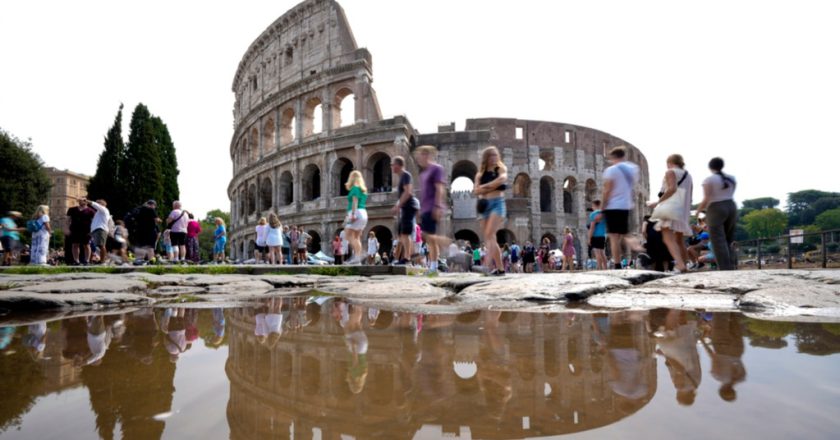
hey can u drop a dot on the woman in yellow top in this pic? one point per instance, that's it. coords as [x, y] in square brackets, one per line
[357, 216]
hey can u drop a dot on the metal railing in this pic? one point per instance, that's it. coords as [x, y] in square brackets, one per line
[830, 238]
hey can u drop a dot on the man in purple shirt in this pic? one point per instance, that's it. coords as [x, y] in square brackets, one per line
[432, 196]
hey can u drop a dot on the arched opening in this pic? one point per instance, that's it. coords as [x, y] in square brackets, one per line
[591, 193]
[314, 245]
[546, 194]
[341, 171]
[244, 154]
[522, 186]
[385, 238]
[380, 173]
[269, 144]
[312, 117]
[243, 205]
[286, 188]
[255, 146]
[551, 238]
[266, 195]
[311, 182]
[344, 108]
[287, 127]
[464, 168]
[546, 160]
[505, 236]
[568, 190]
[252, 199]
[468, 236]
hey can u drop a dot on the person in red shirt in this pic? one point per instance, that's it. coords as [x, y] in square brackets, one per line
[193, 229]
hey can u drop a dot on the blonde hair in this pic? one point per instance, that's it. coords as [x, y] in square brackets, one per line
[568, 230]
[431, 150]
[485, 154]
[41, 211]
[677, 160]
[273, 220]
[356, 179]
[219, 221]
[262, 221]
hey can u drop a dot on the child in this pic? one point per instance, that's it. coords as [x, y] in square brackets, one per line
[121, 237]
[221, 241]
[167, 245]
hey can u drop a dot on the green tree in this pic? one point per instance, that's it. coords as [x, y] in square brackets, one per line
[803, 207]
[24, 183]
[142, 168]
[829, 219]
[168, 161]
[765, 223]
[208, 227]
[751, 205]
[107, 183]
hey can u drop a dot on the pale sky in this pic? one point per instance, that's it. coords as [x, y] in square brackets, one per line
[756, 82]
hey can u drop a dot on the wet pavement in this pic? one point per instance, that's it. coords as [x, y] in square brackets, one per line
[329, 368]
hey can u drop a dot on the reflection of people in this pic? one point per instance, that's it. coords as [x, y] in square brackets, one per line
[99, 338]
[494, 369]
[175, 328]
[726, 352]
[36, 338]
[350, 319]
[628, 356]
[679, 347]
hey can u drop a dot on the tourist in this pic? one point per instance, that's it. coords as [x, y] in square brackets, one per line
[721, 213]
[293, 239]
[261, 248]
[100, 229]
[287, 245]
[432, 202]
[193, 229]
[142, 223]
[41, 231]
[545, 255]
[303, 240]
[177, 221]
[385, 259]
[619, 180]
[699, 245]
[407, 210]
[121, 239]
[166, 239]
[529, 257]
[336, 248]
[673, 210]
[490, 186]
[220, 237]
[345, 245]
[377, 260]
[568, 250]
[655, 248]
[80, 217]
[372, 247]
[274, 240]
[357, 217]
[598, 235]
[515, 258]
[10, 236]
[476, 254]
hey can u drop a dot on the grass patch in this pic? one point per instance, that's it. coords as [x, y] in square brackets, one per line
[40, 270]
[189, 270]
[333, 271]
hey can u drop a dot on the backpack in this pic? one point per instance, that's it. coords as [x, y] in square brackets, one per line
[514, 252]
[34, 226]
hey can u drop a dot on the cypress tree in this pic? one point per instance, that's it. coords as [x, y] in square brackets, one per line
[142, 167]
[169, 162]
[107, 183]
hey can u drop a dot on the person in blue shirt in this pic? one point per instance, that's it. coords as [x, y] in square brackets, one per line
[598, 235]
[10, 236]
[220, 241]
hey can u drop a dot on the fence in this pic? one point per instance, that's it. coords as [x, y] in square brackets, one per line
[807, 250]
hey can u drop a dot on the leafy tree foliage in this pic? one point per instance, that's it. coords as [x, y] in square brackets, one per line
[829, 219]
[23, 180]
[765, 223]
[804, 206]
[759, 203]
[208, 227]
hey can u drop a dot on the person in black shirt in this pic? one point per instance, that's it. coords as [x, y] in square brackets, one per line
[80, 219]
[146, 224]
[407, 208]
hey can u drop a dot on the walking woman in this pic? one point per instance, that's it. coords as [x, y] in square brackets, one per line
[568, 250]
[673, 209]
[356, 214]
[373, 247]
[721, 213]
[274, 239]
[39, 225]
[220, 241]
[490, 186]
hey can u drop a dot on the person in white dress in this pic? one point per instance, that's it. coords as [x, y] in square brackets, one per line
[261, 250]
[274, 239]
[673, 218]
[372, 247]
[40, 246]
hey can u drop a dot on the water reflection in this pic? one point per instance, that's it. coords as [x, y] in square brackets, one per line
[298, 366]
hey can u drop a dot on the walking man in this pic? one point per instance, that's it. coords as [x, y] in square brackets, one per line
[178, 221]
[619, 180]
[99, 228]
[406, 209]
[432, 197]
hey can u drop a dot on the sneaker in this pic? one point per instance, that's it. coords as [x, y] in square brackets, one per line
[497, 273]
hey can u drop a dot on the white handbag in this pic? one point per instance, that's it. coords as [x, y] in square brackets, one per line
[673, 208]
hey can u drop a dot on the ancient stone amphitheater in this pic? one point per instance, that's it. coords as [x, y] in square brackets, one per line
[306, 115]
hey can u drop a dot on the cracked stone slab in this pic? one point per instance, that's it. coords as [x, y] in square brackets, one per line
[459, 282]
[105, 284]
[160, 280]
[294, 281]
[737, 282]
[648, 298]
[19, 300]
[406, 289]
[29, 280]
[813, 300]
[168, 291]
[242, 286]
[544, 287]
[633, 276]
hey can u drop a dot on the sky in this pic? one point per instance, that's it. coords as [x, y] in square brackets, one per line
[755, 82]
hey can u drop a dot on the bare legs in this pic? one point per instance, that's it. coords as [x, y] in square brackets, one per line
[674, 242]
[489, 227]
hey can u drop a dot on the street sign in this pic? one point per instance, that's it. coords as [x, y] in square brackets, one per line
[796, 236]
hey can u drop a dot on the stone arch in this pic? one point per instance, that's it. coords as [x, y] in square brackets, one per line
[254, 144]
[546, 194]
[551, 238]
[314, 245]
[287, 127]
[469, 236]
[286, 187]
[505, 236]
[344, 109]
[464, 168]
[522, 186]
[269, 142]
[379, 172]
[569, 187]
[266, 194]
[311, 183]
[313, 122]
[252, 199]
[591, 189]
[385, 237]
[546, 160]
[243, 207]
[341, 172]
[244, 155]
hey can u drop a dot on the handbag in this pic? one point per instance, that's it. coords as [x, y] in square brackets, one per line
[481, 205]
[673, 208]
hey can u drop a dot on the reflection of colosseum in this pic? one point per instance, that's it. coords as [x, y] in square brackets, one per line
[535, 375]
[306, 115]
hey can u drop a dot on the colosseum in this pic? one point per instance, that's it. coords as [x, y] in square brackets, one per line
[306, 115]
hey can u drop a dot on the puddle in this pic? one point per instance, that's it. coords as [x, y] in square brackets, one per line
[324, 368]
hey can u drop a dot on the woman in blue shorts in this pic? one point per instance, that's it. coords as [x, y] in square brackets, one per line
[490, 186]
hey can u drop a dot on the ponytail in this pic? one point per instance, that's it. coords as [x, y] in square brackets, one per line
[716, 165]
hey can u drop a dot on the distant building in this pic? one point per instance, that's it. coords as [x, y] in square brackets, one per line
[67, 186]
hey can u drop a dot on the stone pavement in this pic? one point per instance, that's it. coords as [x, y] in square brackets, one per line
[772, 294]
